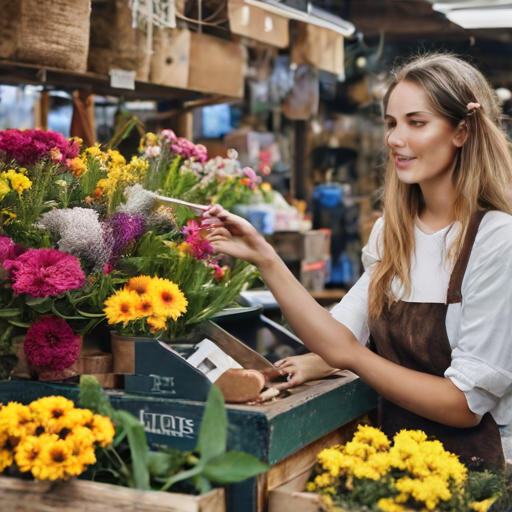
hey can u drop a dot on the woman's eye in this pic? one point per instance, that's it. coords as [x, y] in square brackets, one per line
[389, 126]
[417, 123]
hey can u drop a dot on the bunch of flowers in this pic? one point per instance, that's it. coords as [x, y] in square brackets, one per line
[153, 145]
[145, 304]
[50, 438]
[413, 473]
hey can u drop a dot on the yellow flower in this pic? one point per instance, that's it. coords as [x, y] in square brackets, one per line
[311, 487]
[328, 501]
[103, 430]
[372, 436]
[27, 453]
[6, 457]
[158, 323]
[483, 506]
[390, 505]
[56, 457]
[77, 166]
[94, 150]
[10, 216]
[266, 187]
[139, 284]
[49, 410]
[19, 182]
[116, 157]
[324, 480]
[121, 307]
[168, 300]
[4, 188]
[16, 421]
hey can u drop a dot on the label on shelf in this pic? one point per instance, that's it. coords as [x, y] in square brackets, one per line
[122, 79]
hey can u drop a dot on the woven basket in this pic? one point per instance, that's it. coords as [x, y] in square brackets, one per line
[114, 43]
[53, 33]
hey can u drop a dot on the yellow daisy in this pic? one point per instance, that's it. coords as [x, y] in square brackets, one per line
[168, 300]
[144, 308]
[27, 453]
[158, 323]
[56, 457]
[49, 410]
[120, 308]
[139, 284]
[103, 430]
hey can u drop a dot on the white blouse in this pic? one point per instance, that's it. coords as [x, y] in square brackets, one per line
[479, 329]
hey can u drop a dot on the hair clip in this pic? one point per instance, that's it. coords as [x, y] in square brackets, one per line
[472, 107]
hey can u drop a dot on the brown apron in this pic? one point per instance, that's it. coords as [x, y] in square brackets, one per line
[413, 335]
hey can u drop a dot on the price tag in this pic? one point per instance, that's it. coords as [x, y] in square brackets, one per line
[121, 79]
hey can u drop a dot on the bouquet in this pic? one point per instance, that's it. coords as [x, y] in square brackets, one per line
[413, 473]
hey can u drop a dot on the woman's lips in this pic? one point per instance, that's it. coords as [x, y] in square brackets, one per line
[403, 161]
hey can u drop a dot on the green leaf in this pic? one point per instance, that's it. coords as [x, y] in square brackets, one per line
[93, 397]
[19, 324]
[213, 433]
[138, 448]
[90, 315]
[5, 313]
[233, 467]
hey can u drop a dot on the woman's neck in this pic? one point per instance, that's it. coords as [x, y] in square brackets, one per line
[439, 204]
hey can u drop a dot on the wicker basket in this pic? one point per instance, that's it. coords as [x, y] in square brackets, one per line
[53, 33]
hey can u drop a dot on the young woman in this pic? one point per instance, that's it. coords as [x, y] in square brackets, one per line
[429, 324]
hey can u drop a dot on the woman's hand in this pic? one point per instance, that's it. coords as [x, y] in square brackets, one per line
[302, 369]
[236, 237]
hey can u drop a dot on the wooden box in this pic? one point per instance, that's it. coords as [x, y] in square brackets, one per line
[199, 62]
[291, 497]
[82, 496]
[293, 245]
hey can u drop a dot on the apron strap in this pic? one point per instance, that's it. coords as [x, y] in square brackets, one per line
[455, 287]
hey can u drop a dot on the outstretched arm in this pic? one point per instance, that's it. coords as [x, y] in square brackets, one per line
[436, 398]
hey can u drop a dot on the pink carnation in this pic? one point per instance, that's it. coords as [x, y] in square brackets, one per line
[51, 343]
[45, 272]
[7, 249]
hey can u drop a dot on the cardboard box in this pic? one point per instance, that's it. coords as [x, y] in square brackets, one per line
[199, 62]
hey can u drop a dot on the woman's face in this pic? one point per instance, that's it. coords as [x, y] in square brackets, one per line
[423, 144]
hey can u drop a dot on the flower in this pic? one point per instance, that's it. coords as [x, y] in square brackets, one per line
[158, 323]
[19, 182]
[45, 272]
[4, 188]
[56, 459]
[76, 166]
[122, 231]
[197, 244]
[103, 430]
[121, 307]
[7, 249]
[167, 299]
[50, 342]
[139, 284]
[27, 453]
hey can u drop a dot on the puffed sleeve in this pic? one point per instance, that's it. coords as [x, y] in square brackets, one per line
[352, 311]
[481, 364]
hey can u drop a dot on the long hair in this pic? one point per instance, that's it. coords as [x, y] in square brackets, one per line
[482, 175]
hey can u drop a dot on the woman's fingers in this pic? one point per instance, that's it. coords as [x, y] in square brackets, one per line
[294, 380]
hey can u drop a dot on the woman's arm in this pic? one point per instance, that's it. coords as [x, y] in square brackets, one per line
[435, 398]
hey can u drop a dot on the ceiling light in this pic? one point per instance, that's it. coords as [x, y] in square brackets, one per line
[313, 15]
[450, 5]
[481, 18]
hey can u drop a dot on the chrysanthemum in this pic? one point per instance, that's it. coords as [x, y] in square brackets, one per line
[56, 457]
[168, 300]
[16, 422]
[121, 307]
[103, 430]
[50, 342]
[139, 284]
[144, 308]
[6, 456]
[157, 323]
[45, 272]
[49, 410]
[27, 453]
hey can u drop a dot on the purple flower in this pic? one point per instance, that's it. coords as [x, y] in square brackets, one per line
[50, 342]
[122, 231]
[45, 272]
[27, 147]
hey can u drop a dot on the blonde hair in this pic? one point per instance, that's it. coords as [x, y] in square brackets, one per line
[482, 175]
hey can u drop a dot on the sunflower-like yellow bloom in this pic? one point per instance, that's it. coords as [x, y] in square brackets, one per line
[27, 453]
[16, 421]
[56, 457]
[19, 182]
[121, 307]
[77, 166]
[139, 284]
[4, 188]
[157, 323]
[103, 430]
[6, 457]
[167, 298]
[144, 308]
[49, 410]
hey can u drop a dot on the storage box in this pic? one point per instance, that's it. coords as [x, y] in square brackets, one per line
[308, 247]
[291, 497]
[199, 62]
[53, 34]
[82, 496]
[313, 275]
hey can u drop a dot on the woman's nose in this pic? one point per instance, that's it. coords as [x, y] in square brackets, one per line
[396, 138]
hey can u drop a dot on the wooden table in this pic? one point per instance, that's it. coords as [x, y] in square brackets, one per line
[286, 433]
[328, 296]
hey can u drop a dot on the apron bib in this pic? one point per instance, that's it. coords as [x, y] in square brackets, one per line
[413, 335]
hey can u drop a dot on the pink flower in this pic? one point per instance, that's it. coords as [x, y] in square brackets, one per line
[251, 175]
[199, 247]
[7, 249]
[108, 269]
[169, 135]
[192, 228]
[219, 272]
[45, 272]
[50, 342]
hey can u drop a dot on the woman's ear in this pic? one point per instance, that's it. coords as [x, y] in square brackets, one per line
[461, 134]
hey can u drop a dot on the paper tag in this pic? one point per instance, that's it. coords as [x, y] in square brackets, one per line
[121, 79]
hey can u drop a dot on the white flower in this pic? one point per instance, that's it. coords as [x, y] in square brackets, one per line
[138, 201]
[153, 151]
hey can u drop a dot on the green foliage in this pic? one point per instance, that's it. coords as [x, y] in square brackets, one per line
[130, 463]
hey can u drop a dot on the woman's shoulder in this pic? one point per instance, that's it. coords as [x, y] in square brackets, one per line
[495, 232]
[371, 251]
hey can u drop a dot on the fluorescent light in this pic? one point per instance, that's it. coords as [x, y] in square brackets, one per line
[448, 6]
[481, 18]
[314, 16]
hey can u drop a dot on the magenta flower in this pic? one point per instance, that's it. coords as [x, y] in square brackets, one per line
[199, 247]
[45, 272]
[192, 228]
[219, 272]
[51, 343]
[7, 249]
[27, 147]
[251, 175]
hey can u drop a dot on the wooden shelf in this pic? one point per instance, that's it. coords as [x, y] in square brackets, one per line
[328, 296]
[16, 73]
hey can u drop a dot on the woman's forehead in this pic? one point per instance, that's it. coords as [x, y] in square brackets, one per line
[407, 98]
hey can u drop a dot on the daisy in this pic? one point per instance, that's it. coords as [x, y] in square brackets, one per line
[168, 300]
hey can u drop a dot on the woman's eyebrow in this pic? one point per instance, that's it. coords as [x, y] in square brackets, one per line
[410, 114]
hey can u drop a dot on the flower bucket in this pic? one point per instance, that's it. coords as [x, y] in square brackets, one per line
[123, 352]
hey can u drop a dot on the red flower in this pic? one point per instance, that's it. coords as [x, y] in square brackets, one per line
[51, 343]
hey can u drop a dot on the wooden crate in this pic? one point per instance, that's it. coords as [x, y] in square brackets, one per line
[82, 496]
[290, 497]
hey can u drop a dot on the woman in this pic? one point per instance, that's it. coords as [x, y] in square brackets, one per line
[435, 300]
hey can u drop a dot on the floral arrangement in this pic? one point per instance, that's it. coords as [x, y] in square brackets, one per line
[412, 473]
[50, 438]
[77, 228]
[145, 304]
